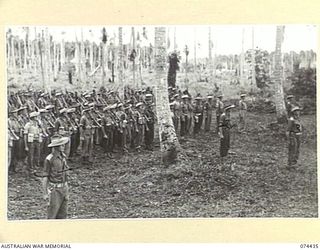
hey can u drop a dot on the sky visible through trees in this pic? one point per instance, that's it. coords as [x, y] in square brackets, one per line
[227, 39]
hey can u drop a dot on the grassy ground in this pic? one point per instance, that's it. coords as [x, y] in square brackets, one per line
[138, 186]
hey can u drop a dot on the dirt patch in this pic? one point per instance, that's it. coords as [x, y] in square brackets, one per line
[253, 182]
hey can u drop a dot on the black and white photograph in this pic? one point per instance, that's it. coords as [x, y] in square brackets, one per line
[161, 121]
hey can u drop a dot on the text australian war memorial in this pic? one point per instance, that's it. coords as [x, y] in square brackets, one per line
[161, 122]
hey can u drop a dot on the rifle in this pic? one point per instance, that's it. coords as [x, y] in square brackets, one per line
[13, 134]
[95, 121]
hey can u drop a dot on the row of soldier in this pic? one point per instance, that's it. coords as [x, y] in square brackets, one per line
[87, 120]
[100, 118]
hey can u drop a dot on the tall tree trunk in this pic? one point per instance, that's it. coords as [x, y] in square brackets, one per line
[195, 51]
[120, 56]
[210, 57]
[13, 54]
[278, 81]
[92, 66]
[8, 50]
[134, 59]
[62, 55]
[83, 61]
[34, 55]
[169, 143]
[242, 56]
[103, 62]
[25, 54]
[253, 68]
[43, 68]
[20, 56]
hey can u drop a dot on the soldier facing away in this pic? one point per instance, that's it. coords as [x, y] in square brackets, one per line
[242, 113]
[224, 131]
[294, 134]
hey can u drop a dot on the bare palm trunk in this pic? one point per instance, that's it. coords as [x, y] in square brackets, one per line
[278, 81]
[169, 143]
[120, 55]
[13, 54]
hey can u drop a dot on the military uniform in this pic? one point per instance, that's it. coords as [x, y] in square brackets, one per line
[32, 138]
[289, 106]
[14, 129]
[122, 131]
[86, 136]
[177, 114]
[295, 132]
[184, 116]
[242, 114]
[149, 129]
[56, 181]
[107, 131]
[207, 114]
[198, 116]
[62, 128]
[140, 120]
[219, 111]
[224, 127]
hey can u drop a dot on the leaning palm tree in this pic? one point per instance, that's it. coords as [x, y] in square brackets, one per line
[169, 143]
[278, 78]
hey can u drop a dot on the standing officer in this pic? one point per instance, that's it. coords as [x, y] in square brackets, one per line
[32, 140]
[86, 136]
[198, 114]
[131, 125]
[14, 135]
[184, 115]
[289, 105]
[150, 120]
[208, 106]
[242, 113]
[63, 128]
[107, 131]
[219, 110]
[294, 134]
[141, 123]
[224, 131]
[55, 182]
[177, 112]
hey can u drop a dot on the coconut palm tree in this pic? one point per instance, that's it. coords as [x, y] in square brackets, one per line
[169, 143]
[278, 78]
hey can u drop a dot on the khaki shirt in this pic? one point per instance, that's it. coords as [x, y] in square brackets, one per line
[54, 167]
[32, 129]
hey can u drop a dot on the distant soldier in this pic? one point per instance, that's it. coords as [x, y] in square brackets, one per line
[294, 134]
[190, 117]
[198, 114]
[86, 136]
[122, 132]
[184, 115]
[171, 105]
[219, 110]
[45, 131]
[32, 140]
[131, 125]
[141, 123]
[14, 129]
[63, 129]
[208, 107]
[177, 112]
[107, 131]
[150, 120]
[224, 131]
[55, 181]
[73, 130]
[242, 113]
[289, 105]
